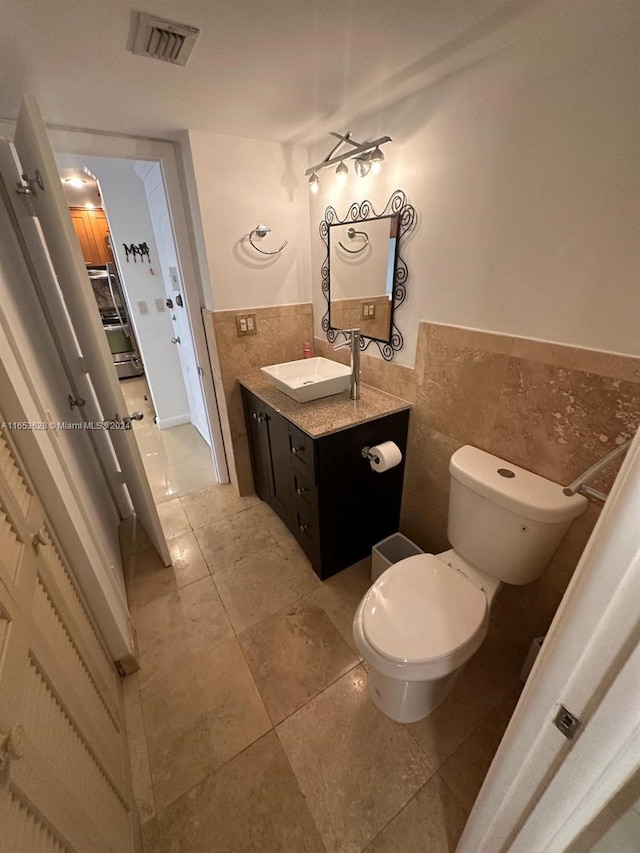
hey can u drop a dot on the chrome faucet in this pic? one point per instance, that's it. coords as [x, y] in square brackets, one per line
[353, 341]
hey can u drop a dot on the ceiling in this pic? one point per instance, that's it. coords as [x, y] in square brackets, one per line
[287, 71]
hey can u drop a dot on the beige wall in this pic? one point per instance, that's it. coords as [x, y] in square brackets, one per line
[282, 332]
[548, 408]
[234, 184]
[524, 171]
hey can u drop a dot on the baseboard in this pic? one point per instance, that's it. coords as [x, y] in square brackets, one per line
[178, 420]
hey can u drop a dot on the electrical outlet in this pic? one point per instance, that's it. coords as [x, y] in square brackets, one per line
[143, 308]
[160, 305]
[368, 310]
[246, 324]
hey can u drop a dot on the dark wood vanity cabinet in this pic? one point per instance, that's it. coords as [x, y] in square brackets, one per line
[322, 488]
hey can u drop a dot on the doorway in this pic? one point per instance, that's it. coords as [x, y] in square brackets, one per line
[122, 220]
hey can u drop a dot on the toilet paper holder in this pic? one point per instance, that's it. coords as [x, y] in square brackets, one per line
[367, 454]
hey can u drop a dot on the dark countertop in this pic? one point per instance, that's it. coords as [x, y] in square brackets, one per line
[329, 414]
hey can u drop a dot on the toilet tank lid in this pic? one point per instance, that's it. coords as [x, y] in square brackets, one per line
[514, 488]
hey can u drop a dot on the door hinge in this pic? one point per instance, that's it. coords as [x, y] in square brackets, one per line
[567, 722]
[200, 371]
[28, 187]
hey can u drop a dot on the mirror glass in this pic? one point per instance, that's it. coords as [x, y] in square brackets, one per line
[364, 277]
[362, 257]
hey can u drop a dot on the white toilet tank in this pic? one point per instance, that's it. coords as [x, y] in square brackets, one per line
[506, 521]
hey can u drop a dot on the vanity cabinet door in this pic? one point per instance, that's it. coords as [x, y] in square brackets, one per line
[259, 447]
[269, 448]
[280, 499]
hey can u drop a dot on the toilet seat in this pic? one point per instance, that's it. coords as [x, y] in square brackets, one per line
[423, 615]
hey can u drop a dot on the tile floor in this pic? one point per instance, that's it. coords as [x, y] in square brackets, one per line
[249, 724]
[177, 460]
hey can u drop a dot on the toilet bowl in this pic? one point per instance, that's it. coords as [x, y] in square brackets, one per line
[425, 616]
[417, 626]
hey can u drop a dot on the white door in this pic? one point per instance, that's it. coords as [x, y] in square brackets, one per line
[544, 788]
[163, 232]
[63, 768]
[49, 204]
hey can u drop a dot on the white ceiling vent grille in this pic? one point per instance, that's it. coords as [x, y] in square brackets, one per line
[165, 40]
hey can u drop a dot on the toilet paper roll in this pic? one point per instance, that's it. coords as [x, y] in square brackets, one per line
[384, 456]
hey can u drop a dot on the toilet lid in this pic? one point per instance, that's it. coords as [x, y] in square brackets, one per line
[421, 609]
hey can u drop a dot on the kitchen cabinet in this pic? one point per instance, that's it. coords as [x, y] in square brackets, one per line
[321, 487]
[92, 232]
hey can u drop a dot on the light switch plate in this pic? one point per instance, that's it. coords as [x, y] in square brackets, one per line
[246, 325]
[143, 308]
[160, 305]
[368, 310]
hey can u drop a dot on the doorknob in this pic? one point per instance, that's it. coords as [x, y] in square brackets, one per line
[12, 745]
[134, 416]
[175, 340]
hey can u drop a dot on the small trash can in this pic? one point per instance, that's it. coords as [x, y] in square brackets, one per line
[534, 650]
[391, 550]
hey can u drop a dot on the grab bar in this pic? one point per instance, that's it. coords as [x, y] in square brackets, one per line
[579, 484]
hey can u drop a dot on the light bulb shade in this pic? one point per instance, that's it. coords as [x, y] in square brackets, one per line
[342, 170]
[314, 182]
[376, 156]
[362, 167]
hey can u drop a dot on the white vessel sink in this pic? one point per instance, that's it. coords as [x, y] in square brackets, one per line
[309, 378]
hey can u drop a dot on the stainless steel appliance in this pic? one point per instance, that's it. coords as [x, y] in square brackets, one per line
[115, 320]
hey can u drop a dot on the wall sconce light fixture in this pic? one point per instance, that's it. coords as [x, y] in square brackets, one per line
[367, 157]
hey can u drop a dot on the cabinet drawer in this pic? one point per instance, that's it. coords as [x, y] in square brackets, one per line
[301, 447]
[304, 489]
[305, 528]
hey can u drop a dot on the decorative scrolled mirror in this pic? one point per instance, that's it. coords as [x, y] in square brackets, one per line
[364, 276]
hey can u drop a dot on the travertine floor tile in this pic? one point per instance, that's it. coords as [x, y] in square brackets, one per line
[472, 697]
[293, 655]
[186, 558]
[355, 767]
[232, 538]
[431, 823]
[464, 772]
[133, 537]
[251, 805]
[340, 596]
[173, 519]
[198, 716]
[214, 503]
[272, 522]
[180, 627]
[147, 578]
[262, 584]
[138, 755]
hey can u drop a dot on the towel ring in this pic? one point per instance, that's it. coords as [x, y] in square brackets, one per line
[262, 231]
[352, 233]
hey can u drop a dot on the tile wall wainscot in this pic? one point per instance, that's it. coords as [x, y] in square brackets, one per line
[282, 331]
[550, 408]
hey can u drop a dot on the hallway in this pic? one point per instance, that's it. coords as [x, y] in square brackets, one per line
[249, 724]
[177, 460]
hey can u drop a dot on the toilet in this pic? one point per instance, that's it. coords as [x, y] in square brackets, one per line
[425, 616]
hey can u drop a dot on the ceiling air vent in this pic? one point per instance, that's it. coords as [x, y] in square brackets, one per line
[166, 40]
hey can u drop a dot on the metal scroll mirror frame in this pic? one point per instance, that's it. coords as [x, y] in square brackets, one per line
[403, 216]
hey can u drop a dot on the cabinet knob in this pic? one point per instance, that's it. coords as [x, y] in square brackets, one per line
[296, 450]
[303, 527]
[302, 490]
[258, 416]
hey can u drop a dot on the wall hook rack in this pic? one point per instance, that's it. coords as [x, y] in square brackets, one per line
[262, 231]
[352, 234]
